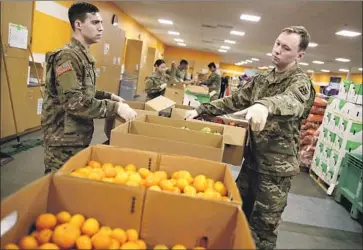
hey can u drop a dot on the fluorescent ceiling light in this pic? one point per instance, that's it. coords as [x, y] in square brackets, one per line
[249, 61]
[225, 47]
[312, 45]
[303, 63]
[310, 71]
[271, 67]
[230, 41]
[237, 33]
[174, 33]
[360, 69]
[255, 59]
[263, 67]
[250, 18]
[238, 64]
[348, 33]
[164, 21]
[178, 40]
[269, 54]
[222, 50]
[318, 62]
[344, 70]
[342, 59]
[182, 44]
[325, 70]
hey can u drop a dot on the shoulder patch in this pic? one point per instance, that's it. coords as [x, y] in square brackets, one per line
[63, 68]
[303, 90]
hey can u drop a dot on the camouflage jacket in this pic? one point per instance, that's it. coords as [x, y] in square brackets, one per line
[71, 101]
[214, 84]
[153, 83]
[289, 97]
[177, 74]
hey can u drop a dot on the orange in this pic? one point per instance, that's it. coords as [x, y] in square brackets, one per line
[173, 181]
[65, 235]
[160, 247]
[175, 176]
[110, 172]
[141, 244]
[34, 234]
[90, 227]
[46, 221]
[49, 246]
[132, 183]
[210, 183]
[106, 230]
[220, 188]
[200, 183]
[166, 185]
[101, 241]
[94, 176]
[78, 220]
[121, 178]
[144, 172]
[63, 217]
[157, 188]
[179, 247]
[211, 194]
[185, 175]
[94, 164]
[77, 174]
[162, 175]
[106, 179]
[130, 245]
[130, 167]
[119, 169]
[115, 244]
[152, 180]
[11, 246]
[225, 198]
[182, 183]
[198, 248]
[200, 194]
[28, 242]
[136, 177]
[44, 236]
[119, 235]
[84, 242]
[190, 190]
[98, 171]
[107, 165]
[132, 235]
[84, 171]
[176, 190]
[143, 183]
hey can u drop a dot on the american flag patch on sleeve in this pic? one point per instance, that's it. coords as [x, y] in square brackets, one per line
[63, 68]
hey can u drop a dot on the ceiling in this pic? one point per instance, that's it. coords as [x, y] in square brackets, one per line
[321, 18]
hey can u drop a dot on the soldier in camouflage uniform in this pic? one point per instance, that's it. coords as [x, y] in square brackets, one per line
[275, 102]
[178, 73]
[155, 85]
[213, 82]
[71, 101]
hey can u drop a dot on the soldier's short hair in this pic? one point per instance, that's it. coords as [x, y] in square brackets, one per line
[183, 62]
[302, 32]
[158, 62]
[79, 10]
[212, 65]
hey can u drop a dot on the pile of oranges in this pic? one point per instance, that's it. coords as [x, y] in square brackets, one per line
[66, 231]
[181, 182]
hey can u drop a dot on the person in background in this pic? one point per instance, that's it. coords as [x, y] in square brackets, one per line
[275, 102]
[224, 85]
[178, 73]
[71, 101]
[156, 84]
[213, 82]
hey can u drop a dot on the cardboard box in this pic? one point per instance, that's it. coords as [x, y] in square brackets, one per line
[160, 104]
[354, 132]
[197, 90]
[178, 112]
[158, 138]
[175, 93]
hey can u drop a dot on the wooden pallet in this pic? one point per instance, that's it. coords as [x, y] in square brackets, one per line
[325, 186]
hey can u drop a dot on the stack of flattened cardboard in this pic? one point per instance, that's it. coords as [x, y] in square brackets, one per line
[150, 212]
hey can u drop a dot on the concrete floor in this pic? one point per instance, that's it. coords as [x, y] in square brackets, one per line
[311, 220]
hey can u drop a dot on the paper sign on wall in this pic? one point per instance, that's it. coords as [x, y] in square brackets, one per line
[98, 72]
[119, 60]
[18, 36]
[114, 60]
[122, 68]
[106, 49]
[39, 106]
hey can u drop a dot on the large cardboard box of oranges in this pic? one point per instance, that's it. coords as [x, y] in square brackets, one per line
[70, 213]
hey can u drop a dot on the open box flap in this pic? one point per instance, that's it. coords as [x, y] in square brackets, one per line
[159, 103]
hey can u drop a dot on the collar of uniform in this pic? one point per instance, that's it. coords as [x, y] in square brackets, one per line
[76, 43]
[276, 77]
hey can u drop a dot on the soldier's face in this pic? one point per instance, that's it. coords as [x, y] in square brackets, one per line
[92, 28]
[286, 49]
[162, 68]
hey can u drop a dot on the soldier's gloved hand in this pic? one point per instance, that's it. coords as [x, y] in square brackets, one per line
[125, 112]
[190, 114]
[116, 98]
[163, 86]
[257, 113]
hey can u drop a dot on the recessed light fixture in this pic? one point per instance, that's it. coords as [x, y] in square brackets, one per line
[182, 44]
[230, 41]
[251, 18]
[174, 33]
[225, 47]
[237, 33]
[178, 40]
[255, 59]
[249, 61]
[342, 59]
[310, 71]
[303, 63]
[269, 54]
[325, 70]
[360, 69]
[348, 33]
[312, 45]
[222, 50]
[318, 62]
[344, 70]
[164, 21]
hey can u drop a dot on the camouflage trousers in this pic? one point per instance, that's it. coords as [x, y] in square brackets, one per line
[264, 200]
[55, 157]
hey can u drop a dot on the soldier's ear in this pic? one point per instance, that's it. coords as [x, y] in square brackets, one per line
[301, 55]
[77, 24]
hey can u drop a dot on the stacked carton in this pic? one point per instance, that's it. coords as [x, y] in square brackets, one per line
[341, 132]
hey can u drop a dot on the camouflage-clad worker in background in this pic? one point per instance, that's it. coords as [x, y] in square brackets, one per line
[213, 82]
[71, 101]
[276, 102]
[178, 73]
[155, 85]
